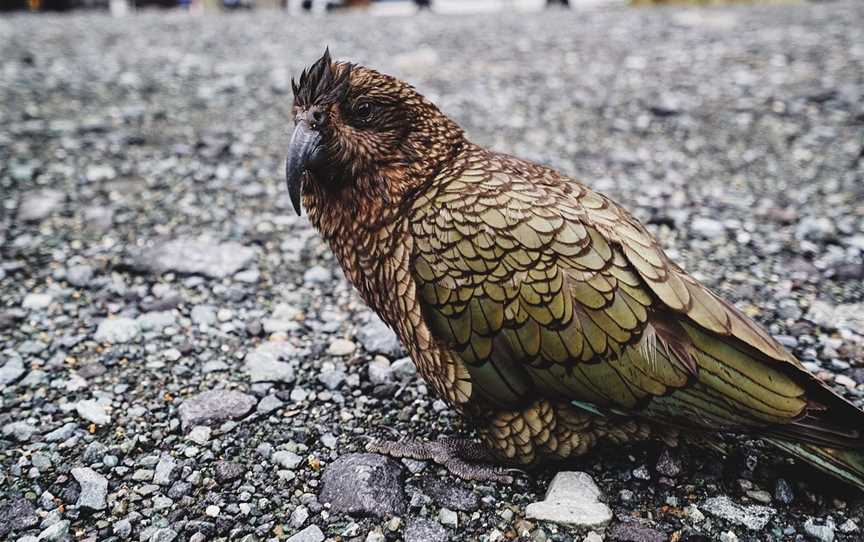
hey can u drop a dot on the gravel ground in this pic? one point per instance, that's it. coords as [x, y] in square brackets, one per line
[180, 358]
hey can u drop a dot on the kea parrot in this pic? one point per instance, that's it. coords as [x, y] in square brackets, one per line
[540, 310]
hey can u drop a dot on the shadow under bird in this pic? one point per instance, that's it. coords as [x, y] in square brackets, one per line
[540, 310]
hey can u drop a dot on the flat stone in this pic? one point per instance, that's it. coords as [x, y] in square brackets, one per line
[285, 459]
[264, 363]
[93, 412]
[452, 496]
[364, 484]
[79, 275]
[203, 315]
[754, 517]
[36, 302]
[195, 257]
[269, 404]
[572, 499]
[164, 469]
[37, 206]
[635, 531]
[56, 532]
[311, 533]
[215, 406]
[94, 488]
[377, 338]
[20, 431]
[17, 515]
[843, 316]
[228, 471]
[425, 530]
[12, 371]
[823, 531]
[156, 320]
[341, 347]
[117, 330]
[200, 434]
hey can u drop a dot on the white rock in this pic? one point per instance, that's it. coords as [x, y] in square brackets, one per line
[94, 488]
[36, 302]
[93, 412]
[309, 534]
[117, 330]
[572, 499]
[341, 347]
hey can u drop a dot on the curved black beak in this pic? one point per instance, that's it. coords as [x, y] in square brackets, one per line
[302, 150]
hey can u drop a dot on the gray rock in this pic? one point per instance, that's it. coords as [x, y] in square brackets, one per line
[62, 433]
[377, 338]
[708, 228]
[122, 528]
[263, 364]
[36, 301]
[228, 471]
[164, 469]
[824, 532]
[12, 371]
[195, 257]
[364, 484]
[299, 516]
[456, 497]
[99, 173]
[215, 406]
[572, 499]
[79, 275]
[311, 533]
[55, 533]
[379, 371]
[285, 459]
[117, 330]
[203, 315]
[283, 318]
[20, 431]
[635, 531]
[156, 320]
[162, 535]
[17, 515]
[37, 206]
[93, 412]
[844, 316]
[425, 530]
[448, 517]
[783, 491]
[754, 517]
[317, 275]
[403, 369]
[269, 404]
[819, 229]
[669, 463]
[94, 488]
[332, 378]
[200, 434]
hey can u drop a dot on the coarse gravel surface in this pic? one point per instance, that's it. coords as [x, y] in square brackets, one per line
[181, 359]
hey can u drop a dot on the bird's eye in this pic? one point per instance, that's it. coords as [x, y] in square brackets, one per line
[363, 110]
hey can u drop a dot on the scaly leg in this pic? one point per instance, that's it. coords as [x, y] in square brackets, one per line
[458, 456]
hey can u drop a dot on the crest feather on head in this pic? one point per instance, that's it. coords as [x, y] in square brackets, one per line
[321, 84]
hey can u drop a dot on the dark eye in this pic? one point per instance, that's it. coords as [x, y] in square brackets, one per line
[363, 110]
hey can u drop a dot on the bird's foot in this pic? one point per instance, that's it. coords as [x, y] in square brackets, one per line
[458, 456]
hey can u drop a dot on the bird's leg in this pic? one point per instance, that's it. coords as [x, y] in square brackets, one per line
[458, 456]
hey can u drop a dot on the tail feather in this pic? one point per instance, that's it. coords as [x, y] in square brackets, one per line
[846, 465]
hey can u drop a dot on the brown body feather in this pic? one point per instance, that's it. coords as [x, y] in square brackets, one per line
[538, 308]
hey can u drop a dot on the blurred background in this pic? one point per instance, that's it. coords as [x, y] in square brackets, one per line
[181, 358]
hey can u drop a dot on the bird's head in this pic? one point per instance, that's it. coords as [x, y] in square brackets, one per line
[361, 130]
